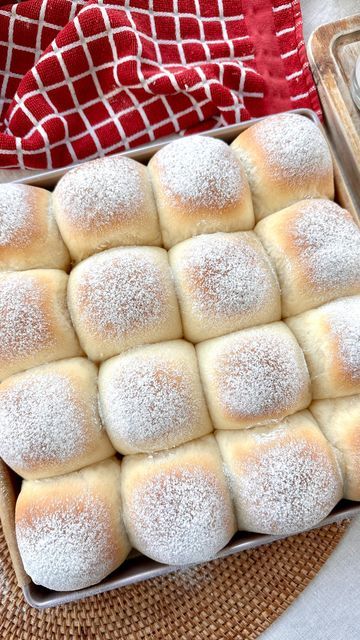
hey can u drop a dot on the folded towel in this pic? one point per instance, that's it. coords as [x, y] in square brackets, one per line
[86, 79]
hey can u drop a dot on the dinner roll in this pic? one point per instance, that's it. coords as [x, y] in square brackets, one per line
[121, 298]
[177, 506]
[224, 282]
[284, 478]
[252, 377]
[330, 339]
[151, 397]
[34, 321]
[315, 247]
[29, 237]
[286, 158]
[69, 529]
[200, 187]
[106, 203]
[339, 420]
[49, 420]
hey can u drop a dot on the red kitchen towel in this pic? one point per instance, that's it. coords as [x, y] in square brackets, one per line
[81, 79]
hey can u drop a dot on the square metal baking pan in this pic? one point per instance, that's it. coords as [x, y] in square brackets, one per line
[138, 567]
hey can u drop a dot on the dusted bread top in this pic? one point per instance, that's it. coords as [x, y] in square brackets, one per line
[177, 506]
[286, 158]
[330, 339]
[49, 419]
[106, 203]
[121, 298]
[315, 248]
[284, 478]
[151, 397]
[254, 376]
[224, 282]
[35, 325]
[200, 187]
[29, 237]
[70, 529]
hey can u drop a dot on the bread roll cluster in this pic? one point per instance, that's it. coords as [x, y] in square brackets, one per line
[197, 371]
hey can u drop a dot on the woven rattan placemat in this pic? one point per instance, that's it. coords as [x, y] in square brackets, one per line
[234, 598]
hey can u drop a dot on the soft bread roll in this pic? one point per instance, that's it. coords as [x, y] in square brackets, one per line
[224, 282]
[29, 237]
[106, 203]
[254, 376]
[122, 298]
[339, 420]
[315, 248]
[283, 478]
[69, 529]
[49, 419]
[151, 398]
[330, 339]
[35, 325]
[177, 506]
[286, 158]
[200, 187]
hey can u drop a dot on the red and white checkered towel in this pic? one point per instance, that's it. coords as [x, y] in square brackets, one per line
[83, 79]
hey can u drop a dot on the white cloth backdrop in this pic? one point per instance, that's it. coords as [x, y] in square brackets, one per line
[329, 608]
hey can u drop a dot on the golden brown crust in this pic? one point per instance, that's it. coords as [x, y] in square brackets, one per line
[7, 515]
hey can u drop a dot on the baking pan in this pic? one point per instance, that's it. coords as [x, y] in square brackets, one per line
[333, 50]
[138, 567]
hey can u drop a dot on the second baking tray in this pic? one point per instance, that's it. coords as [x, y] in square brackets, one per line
[137, 567]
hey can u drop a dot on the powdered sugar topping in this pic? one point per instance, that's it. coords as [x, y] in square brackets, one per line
[42, 421]
[329, 244]
[343, 316]
[260, 375]
[24, 327]
[102, 192]
[227, 276]
[67, 545]
[180, 516]
[16, 215]
[287, 487]
[201, 172]
[121, 291]
[150, 403]
[294, 146]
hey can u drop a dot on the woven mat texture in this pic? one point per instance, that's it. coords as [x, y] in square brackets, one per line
[234, 598]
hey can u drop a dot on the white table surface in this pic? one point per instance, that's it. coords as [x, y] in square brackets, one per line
[329, 608]
[316, 12]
